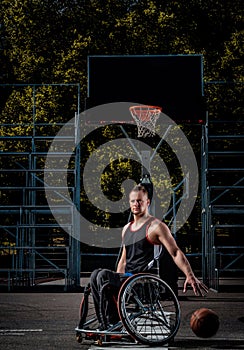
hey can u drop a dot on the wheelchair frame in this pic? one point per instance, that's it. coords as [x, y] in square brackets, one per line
[148, 309]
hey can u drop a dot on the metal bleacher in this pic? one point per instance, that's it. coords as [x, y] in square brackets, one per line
[222, 198]
[34, 248]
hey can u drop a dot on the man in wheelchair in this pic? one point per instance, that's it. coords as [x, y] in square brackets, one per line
[142, 240]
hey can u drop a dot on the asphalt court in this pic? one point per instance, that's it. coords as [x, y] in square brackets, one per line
[47, 321]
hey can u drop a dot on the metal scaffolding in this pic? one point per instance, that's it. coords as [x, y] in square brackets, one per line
[33, 246]
[222, 200]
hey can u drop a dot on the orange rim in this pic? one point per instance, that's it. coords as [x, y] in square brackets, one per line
[135, 108]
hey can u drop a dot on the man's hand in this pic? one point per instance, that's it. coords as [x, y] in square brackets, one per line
[198, 287]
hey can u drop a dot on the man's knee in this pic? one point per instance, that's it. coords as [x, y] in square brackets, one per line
[100, 276]
[104, 276]
[108, 277]
[93, 277]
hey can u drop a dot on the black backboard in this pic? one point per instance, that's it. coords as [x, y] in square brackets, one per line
[174, 82]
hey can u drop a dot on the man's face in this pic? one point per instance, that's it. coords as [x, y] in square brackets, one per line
[138, 202]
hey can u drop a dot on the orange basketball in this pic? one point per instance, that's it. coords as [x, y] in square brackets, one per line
[204, 322]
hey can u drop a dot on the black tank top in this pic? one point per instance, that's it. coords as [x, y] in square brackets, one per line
[141, 254]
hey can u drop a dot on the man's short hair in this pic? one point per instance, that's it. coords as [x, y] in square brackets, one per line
[139, 188]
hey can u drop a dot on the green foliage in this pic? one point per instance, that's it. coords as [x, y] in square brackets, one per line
[47, 42]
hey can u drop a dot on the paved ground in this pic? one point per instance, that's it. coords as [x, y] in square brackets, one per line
[46, 321]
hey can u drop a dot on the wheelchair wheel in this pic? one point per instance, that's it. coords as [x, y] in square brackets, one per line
[149, 309]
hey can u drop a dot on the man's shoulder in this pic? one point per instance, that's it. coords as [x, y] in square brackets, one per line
[156, 223]
[126, 226]
[155, 220]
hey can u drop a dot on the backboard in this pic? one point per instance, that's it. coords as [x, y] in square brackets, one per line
[172, 81]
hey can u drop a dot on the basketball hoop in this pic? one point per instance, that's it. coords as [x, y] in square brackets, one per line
[145, 118]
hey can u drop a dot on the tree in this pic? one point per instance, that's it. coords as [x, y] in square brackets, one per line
[47, 42]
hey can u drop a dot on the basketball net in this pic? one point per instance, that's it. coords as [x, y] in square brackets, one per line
[145, 118]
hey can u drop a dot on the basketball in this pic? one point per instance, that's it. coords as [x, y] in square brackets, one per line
[204, 323]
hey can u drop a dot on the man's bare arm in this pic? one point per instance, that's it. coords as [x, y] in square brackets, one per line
[122, 262]
[165, 237]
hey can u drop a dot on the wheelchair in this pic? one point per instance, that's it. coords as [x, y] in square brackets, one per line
[148, 313]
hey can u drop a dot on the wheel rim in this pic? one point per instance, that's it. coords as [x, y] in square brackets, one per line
[149, 309]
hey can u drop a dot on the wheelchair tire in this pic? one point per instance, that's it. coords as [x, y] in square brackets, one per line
[149, 309]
